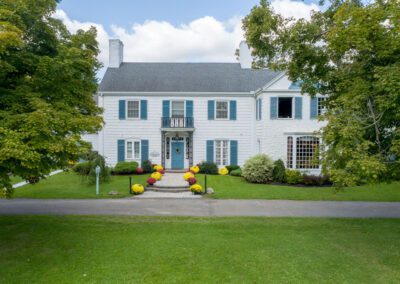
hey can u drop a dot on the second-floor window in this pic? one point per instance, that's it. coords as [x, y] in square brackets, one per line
[178, 109]
[321, 106]
[221, 110]
[133, 110]
[285, 107]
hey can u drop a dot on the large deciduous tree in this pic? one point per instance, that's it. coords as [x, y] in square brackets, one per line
[351, 52]
[47, 82]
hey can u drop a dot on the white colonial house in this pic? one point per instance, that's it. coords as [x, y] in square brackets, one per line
[179, 114]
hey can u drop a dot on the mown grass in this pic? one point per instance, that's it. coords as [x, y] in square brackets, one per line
[71, 185]
[229, 187]
[91, 249]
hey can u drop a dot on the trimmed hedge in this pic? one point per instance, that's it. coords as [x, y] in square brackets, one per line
[147, 167]
[258, 169]
[231, 168]
[208, 168]
[293, 177]
[82, 168]
[279, 173]
[125, 168]
[236, 173]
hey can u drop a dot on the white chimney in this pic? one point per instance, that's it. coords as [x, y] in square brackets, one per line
[245, 57]
[116, 53]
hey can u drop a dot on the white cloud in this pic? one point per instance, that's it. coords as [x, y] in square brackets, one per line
[204, 39]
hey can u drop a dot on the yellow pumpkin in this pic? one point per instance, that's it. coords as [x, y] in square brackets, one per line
[195, 169]
[137, 189]
[156, 175]
[188, 175]
[223, 171]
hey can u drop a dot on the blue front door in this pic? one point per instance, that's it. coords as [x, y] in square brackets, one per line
[177, 155]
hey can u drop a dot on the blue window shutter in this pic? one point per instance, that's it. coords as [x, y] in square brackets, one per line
[165, 109]
[189, 108]
[145, 150]
[143, 109]
[210, 151]
[211, 110]
[234, 152]
[122, 107]
[121, 151]
[232, 110]
[260, 111]
[298, 107]
[314, 108]
[274, 108]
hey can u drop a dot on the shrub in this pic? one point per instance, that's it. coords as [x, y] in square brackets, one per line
[236, 173]
[151, 181]
[88, 169]
[258, 169]
[293, 177]
[208, 168]
[279, 173]
[147, 167]
[125, 168]
[192, 180]
[223, 171]
[82, 168]
[315, 180]
[231, 168]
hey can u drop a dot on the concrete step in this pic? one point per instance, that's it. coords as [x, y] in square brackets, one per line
[167, 189]
[175, 171]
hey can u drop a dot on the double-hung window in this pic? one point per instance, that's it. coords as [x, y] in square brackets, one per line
[321, 106]
[133, 109]
[285, 107]
[221, 110]
[221, 152]
[132, 150]
[178, 109]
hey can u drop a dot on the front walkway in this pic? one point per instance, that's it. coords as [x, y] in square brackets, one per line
[201, 207]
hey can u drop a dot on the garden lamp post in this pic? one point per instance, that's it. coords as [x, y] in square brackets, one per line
[97, 180]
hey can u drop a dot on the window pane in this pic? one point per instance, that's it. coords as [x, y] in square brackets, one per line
[178, 109]
[218, 152]
[129, 150]
[222, 110]
[306, 149]
[137, 149]
[285, 107]
[289, 162]
[133, 109]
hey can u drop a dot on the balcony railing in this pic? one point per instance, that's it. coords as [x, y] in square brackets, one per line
[177, 122]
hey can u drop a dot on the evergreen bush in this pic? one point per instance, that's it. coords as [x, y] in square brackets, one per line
[258, 169]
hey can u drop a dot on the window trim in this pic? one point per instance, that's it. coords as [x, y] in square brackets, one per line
[133, 141]
[293, 108]
[127, 112]
[228, 110]
[184, 107]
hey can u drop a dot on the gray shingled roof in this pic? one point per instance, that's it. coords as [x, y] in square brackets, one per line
[184, 77]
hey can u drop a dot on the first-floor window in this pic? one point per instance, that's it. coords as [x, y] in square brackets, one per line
[221, 152]
[133, 150]
[304, 153]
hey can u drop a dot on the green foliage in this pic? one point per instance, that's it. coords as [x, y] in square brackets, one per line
[348, 51]
[316, 180]
[208, 168]
[82, 168]
[147, 167]
[294, 177]
[124, 168]
[258, 169]
[88, 169]
[47, 82]
[236, 173]
[231, 168]
[279, 173]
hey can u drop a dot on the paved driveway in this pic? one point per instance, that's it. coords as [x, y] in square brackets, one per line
[201, 207]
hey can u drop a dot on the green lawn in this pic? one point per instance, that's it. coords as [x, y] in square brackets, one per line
[70, 185]
[91, 249]
[15, 180]
[236, 188]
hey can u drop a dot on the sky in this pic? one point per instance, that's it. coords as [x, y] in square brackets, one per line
[170, 30]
